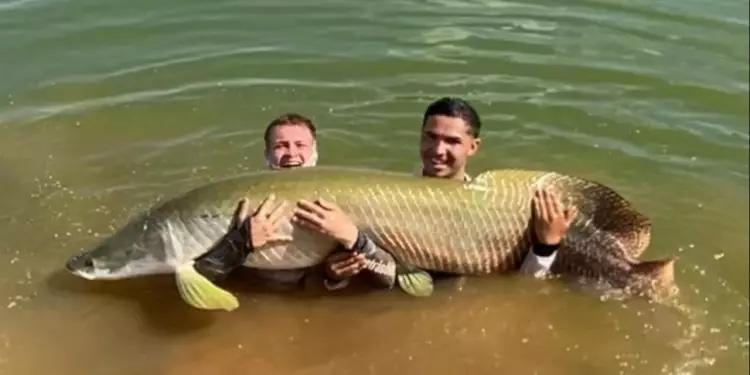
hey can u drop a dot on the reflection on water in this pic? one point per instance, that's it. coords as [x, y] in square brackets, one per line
[113, 105]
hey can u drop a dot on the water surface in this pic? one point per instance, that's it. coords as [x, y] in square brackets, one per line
[108, 106]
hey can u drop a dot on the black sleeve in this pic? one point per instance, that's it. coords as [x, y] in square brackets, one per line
[228, 254]
[543, 250]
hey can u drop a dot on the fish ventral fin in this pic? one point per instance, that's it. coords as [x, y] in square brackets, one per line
[201, 293]
[414, 281]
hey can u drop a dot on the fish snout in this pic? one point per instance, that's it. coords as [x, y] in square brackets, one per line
[79, 263]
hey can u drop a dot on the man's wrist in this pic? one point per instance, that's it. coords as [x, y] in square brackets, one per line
[544, 250]
[359, 243]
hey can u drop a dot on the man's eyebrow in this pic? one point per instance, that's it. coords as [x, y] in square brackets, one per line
[448, 137]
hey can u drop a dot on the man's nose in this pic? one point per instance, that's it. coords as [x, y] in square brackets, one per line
[441, 148]
[292, 150]
[288, 151]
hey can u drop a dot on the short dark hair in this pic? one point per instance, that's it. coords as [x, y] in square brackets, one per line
[289, 119]
[455, 107]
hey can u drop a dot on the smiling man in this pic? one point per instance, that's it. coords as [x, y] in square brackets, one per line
[449, 138]
[290, 142]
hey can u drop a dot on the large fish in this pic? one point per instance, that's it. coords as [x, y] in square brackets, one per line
[476, 228]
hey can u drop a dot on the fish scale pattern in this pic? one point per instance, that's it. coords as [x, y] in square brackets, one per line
[476, 228]
[438, 226]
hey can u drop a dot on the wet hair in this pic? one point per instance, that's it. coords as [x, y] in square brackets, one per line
[455, 107]
[289, 119]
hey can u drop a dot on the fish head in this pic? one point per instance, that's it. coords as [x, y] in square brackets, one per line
[123, 255]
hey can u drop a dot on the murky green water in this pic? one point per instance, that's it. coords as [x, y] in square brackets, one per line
[108, 105]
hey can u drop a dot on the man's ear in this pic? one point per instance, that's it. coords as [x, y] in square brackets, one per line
[474, 147]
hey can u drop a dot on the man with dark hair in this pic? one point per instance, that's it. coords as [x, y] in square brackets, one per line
[450, 136]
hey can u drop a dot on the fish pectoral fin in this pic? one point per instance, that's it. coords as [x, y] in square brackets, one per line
[201, 293]
[414, 281]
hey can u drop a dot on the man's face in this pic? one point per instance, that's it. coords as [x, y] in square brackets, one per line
[445, 147]
[290, 146]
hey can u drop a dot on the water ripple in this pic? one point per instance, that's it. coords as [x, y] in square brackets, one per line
[11, 5]
[128, 101]
[37, 113]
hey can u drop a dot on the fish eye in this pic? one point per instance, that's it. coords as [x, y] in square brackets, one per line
[89, 263]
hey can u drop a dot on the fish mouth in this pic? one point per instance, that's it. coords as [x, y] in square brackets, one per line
[82, 266]
[76, 262]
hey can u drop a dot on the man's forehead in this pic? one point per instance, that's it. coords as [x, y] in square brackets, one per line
[446, 126]
[291, 132]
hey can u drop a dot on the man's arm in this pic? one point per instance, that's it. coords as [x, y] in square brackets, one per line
[246, 233]
[550, 223]
[227, 255]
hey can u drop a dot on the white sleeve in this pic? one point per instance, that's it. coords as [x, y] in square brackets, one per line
[537, 266]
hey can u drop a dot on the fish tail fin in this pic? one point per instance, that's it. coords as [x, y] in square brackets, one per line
[658, 276]
[199, 292]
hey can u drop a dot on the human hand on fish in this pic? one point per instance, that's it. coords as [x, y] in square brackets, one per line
[551, 221]
[328, 219]
[344, 265]
[263, 224]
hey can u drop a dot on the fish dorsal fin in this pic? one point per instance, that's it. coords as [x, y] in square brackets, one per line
[611, 212]
[661, 270]
[656, 278]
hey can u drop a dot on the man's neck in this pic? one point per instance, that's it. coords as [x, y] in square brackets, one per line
[459, 176]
